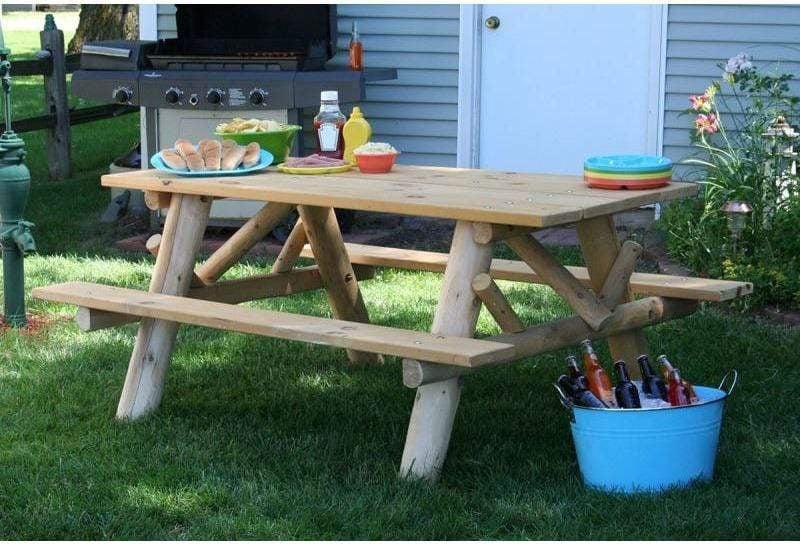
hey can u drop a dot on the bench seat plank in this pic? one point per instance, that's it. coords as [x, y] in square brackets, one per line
[642, 283]
[466, 352]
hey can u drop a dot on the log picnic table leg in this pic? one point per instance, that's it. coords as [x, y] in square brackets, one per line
[456, 314]
[338, 276]
[183, 232]
[600, 247]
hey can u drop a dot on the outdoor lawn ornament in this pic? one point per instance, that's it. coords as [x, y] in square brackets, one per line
[737, 213]
[15, 181]
[780, 168]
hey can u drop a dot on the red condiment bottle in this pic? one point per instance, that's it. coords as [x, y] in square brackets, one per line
[328, 125]
[356, 50]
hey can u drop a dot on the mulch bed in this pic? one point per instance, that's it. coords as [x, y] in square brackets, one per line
[36, 324]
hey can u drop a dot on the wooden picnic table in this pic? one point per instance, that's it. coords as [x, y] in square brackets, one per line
[489, 207]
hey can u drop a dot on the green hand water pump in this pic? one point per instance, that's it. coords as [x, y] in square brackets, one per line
[16, 239]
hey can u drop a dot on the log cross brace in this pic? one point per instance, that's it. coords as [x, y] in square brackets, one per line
[582, 300]
[555, 335]
[493, 299]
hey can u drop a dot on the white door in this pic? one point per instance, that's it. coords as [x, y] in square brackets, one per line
[559, 83]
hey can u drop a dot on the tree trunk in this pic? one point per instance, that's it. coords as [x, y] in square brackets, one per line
[105, 22]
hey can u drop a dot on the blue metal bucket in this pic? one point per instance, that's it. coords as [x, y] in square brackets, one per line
[649, 449]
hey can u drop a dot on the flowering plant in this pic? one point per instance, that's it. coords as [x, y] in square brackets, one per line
[742, 156]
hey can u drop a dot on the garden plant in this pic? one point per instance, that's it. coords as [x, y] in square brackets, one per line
[743, 137]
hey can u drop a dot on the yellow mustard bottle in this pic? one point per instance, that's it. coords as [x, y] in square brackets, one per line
[356, 133]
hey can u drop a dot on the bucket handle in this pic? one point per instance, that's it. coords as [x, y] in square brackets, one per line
[565, 402]
[735, 378]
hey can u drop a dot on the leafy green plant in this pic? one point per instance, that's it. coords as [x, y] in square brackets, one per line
[741, 134]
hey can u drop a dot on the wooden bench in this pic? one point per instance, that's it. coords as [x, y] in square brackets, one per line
[503, 269]
[450, 350]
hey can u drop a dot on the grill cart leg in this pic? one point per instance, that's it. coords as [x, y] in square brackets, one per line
[456, 315]
[183, 232]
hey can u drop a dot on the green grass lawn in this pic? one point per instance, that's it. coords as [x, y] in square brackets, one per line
[263, 438]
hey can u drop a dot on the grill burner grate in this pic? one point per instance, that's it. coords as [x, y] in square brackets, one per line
[247, 62]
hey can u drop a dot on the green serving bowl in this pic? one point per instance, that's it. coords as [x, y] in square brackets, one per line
[277, 142]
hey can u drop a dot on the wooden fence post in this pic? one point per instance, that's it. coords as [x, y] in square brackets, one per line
[56, 102]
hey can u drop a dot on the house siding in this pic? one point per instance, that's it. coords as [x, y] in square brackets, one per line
[417, 112]
[701, 37]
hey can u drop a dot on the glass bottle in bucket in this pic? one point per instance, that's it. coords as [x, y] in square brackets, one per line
[328, 125]
[652, 385]
[666, 370]
[599, 382]
[578, 394]
[626, 393]
[574, 372]
[678, 394]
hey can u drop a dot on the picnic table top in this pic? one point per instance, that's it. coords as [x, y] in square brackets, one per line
[534, 200]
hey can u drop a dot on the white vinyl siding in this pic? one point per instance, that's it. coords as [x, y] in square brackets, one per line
[417, 112]
[701, 37]
[165, 23]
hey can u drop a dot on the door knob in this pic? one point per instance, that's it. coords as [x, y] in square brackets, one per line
[492, 22]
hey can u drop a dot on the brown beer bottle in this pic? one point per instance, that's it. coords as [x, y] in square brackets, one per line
[626, 393]
[666, 371]
[574, 372]
[678, 394]
[599, 382]
[578, 394]
[652, 385]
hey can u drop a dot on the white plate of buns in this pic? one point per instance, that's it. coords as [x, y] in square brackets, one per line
[211, 158]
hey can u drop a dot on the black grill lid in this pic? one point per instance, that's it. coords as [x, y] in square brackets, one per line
[220, 29]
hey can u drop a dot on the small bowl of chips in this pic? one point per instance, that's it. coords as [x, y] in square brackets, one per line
[277, 138]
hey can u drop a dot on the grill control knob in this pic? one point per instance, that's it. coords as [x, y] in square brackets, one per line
[258, 96]
[215, 96]
[173, 95]
[122, 95]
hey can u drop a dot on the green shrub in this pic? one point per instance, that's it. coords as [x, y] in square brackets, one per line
[736, 161]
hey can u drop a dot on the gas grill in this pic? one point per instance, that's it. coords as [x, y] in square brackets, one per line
[226, 58]
[264, 61]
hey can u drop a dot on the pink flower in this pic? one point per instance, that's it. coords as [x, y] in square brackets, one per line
[701, 102]
[706, 124]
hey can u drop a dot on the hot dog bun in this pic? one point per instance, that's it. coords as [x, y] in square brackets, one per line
[189, 153]
[232, 157]
[172, 159]
[211, 151]
[252, 154]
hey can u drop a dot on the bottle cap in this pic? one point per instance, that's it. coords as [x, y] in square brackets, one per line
[356, 113]
[329, 96]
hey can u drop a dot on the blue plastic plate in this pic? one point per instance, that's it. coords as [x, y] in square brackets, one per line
[266, 159]
[627, 164]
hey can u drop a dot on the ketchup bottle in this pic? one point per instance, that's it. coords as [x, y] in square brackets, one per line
[328, 125]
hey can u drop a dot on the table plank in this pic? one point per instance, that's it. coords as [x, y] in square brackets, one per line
[534, 200]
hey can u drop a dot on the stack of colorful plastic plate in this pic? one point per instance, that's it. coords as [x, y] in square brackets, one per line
[627, 171]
